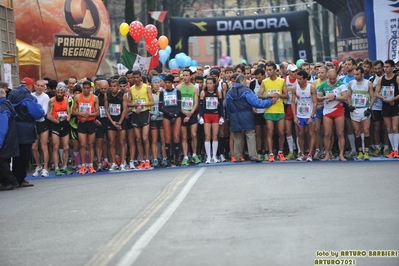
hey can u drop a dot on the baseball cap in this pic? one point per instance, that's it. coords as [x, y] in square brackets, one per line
[27, 81]
[215, 72]
[335, 62]
[174, 71]
[292, 67]
[193, 69]
[207, 66]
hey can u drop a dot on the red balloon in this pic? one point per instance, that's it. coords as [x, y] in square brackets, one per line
[152, 46]
[150, 32]
[136, 30]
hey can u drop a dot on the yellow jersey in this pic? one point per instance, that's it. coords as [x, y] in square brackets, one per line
[140, 96]
[273, 86]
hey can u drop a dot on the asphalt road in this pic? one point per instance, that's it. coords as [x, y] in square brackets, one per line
[226, 214]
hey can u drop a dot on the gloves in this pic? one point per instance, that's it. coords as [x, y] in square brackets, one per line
[201, 121]
[221, 121]
[367, 112]
[352, 108]
[64, 123]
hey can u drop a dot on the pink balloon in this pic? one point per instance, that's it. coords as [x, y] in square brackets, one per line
[150, 32]
[223, 56]
[136, 30]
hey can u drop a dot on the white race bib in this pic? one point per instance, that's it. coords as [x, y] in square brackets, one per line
[114, 109]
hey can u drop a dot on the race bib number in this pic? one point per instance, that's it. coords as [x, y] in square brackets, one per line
[170, 100]
[102, 112]
[62, 115]
[187, 103]
[85, 107]
[270, 92]
[155, 108]
[359, 100]
[388, 91]
[304, 109]
[114, 109]
[211, 103]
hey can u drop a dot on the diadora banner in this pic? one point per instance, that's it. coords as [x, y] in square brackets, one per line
[297, 23]
[382, 21]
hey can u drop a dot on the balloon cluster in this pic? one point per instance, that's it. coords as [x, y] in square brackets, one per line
[225, 60]
[149, 32]
[182, 60]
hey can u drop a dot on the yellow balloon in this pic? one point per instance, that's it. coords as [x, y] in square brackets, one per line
[124, 29]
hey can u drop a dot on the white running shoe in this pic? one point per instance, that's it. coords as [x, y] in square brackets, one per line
[131, 164]
[123, 167]
[216, 160]
[309, 159]
[301, 158]
[222, 158]
[44, 173]
[208, 161]
[114, 167]
[37, 172]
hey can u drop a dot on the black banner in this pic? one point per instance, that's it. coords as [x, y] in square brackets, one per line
[77, 47]
[297, 23]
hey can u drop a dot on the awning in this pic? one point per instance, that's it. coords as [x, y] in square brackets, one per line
[27, 55]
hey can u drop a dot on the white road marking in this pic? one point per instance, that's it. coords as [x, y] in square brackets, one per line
[132, 255]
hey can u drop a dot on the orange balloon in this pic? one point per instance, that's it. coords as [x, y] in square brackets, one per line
[163, 42]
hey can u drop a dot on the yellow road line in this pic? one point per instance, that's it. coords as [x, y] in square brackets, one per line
[108, 251]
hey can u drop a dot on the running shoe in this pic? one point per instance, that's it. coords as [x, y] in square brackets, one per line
[351, 155]
[386, 152]
[197, 160]
[216, 160]
[266, 157]
[37, 172]
[114, 167]
[45, 173]
[396, 154]
[66, 171]
[82, 170]
[141, 165]
[123, 167]
[317, 155]
[222, 158]
[281, 156]
[390, 155]
[242, 159]
[131, 165]
[164, 162]
[271, 157]
[155, 163]
[233, 159]
[208, 161]
[290, 156]
[360, 156]
[99, 168]
[91, 170]
[58, 172]
[377, 152]
[105, 165]
[184, 162]
[118, 160]
[147, 164]
[366, 156]
[309, 158]
[301, 158]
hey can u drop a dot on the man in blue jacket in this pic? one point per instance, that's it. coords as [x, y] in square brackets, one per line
[240, 101]
[8, 142]
[26, 127]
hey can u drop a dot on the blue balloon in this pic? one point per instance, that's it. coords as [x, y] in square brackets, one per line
[194, 63]
[163, 56]
[173, 63]
[180, 59]
[168, 50]
[187, 61]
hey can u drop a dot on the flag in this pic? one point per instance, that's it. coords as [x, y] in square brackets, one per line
[121, 69]
[158, 15]
[137, 62]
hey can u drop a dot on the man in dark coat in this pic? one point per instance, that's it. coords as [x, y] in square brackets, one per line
[9, 143]
[26, 127]
[239, 103]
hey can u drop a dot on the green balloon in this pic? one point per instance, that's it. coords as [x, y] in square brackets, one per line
[299, 62]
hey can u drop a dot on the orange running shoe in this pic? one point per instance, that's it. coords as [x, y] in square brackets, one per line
[396, 154]
[233, 159]
[82, 170]
[271, 157]
[141, 165]
[281, 156]
[391, 154]
[105, 164]
[147, 165]
[91, 170]
[242, 159]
